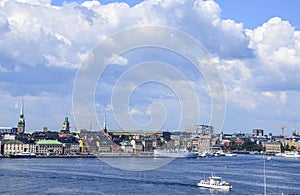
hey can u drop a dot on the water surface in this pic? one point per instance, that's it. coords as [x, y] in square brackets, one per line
[93, 176]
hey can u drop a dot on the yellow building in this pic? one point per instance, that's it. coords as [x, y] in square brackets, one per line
[291, 144]
[80, 145]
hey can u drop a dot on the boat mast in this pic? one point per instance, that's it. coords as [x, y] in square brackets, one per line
[265, 181]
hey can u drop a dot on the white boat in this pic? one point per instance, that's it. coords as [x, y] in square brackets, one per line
[216, 154]
[23, 155]
[221, 153]
[159, 153]
[292, 155]
[280, 154]
[230, 154]
[215, 182]
[206, 154]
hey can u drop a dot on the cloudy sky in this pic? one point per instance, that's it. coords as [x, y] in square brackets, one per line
[255, 46]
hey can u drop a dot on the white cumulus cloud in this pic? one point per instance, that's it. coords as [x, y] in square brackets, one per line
[260, 67]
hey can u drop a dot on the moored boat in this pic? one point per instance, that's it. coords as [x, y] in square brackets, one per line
[230, 154]
[215, 182]
[280, 154]
[23, 155]
[206, 154]
[292, 155]
[221, 153]
[159, 153]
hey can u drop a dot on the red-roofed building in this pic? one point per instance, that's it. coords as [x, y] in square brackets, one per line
[227, 143]
[239, 142]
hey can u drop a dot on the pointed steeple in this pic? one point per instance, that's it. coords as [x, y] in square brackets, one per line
[22, 109]
[21, 123]
[104, 124]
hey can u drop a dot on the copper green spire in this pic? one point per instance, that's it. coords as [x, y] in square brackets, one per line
[22, 109]
[21, 123]
[104, 124]
[66, 125]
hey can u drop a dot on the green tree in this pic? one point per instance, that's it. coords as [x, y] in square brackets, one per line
[293, 148]
[248, 145]
[287, 147]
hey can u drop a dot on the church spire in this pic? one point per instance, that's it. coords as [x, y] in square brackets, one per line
[21, 123]
[22, 109]
[104, 124]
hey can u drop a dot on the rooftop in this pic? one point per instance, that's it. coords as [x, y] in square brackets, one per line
[11, 142]
[53, 142]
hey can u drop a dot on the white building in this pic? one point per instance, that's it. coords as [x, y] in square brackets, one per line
[49, 146]
[8, 130]
[11, 147]
[9, 137]
[126, 146]
[29, 147]
[137, 145]
[199, 129]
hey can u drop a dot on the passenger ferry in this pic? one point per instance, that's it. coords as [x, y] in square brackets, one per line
[215, 182]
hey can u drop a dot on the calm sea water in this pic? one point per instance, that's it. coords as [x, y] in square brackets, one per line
[93, 176]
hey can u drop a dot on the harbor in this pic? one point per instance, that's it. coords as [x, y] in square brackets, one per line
[159, 97]
[194, 141]
[61, 175]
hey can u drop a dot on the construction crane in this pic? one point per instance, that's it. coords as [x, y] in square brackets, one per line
[74, 127]
[90, 123]
[282, 129]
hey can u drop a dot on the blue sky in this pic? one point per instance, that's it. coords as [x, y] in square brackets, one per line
[255, 45]
[250, 13]
[131, 3]
[254, 13]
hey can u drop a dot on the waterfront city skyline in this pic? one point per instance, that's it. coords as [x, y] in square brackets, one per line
[256, 48]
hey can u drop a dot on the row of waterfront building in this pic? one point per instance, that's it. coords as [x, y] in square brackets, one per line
[121, 141]
[198, 138]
